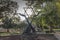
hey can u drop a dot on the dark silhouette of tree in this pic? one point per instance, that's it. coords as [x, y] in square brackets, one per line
[8, 10]
[29, 27]
[7, 7]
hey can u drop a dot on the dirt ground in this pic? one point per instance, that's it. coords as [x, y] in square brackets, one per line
[29, 37]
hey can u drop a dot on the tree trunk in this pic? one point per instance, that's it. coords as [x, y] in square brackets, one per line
[7, 30]
[51, 29]
[29, 28]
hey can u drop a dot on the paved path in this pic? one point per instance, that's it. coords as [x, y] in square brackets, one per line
[29, 37]
[57, 35]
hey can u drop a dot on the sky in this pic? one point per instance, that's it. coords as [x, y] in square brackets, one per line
[21, 4]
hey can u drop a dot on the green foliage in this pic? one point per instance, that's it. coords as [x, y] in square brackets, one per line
[7, 23]
[7, 7]
[48, 13]
[8, 10]
[10, 22]
[22, 25]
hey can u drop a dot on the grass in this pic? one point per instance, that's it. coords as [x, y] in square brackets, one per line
[53, 30]
[8, 33]
[18, 33]
[4, 33]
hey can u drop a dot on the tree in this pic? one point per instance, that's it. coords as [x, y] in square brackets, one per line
[29, 27]
[7, 24]
[8, 10]
[7, 7]
[46, 11]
